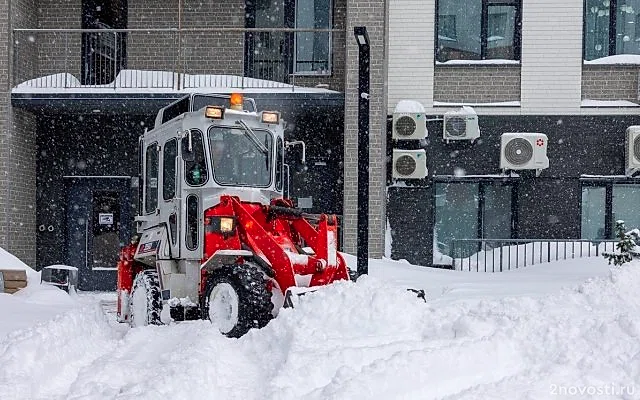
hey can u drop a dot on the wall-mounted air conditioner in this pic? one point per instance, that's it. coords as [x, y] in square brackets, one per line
[409, 164]
[632, 150]
[461, 125]
[409, 121]
[520, 151]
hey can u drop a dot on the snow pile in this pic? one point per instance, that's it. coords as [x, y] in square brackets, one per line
[409, 106]
[615, 59]
[367, 340]
[9, 261]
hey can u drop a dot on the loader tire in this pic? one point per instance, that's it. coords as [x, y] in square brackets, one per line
[237, 299]
[145, 302]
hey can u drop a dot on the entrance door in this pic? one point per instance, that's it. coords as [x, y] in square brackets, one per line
[99, 216]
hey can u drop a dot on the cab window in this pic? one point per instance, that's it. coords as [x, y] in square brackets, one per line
[196, 173]
[279, 164]
[169, 154]
[151, 178]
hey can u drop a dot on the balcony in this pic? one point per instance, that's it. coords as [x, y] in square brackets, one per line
[176, 60]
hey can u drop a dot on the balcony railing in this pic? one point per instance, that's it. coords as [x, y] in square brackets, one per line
[498, 255]
[175, 59]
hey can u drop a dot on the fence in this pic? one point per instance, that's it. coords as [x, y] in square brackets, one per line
[497, 255]
[169, 58]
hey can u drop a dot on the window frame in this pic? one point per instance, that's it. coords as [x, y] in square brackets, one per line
[613, 31]
[482, 200]
[146, 187]
[294, 67]
[206, 160]
[609, 184]
[164, 169]
[484, 30]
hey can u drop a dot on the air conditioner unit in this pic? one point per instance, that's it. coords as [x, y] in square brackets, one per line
[409, 164]
[461, 125]
[520, 151]
[409, 126]
[632, 150]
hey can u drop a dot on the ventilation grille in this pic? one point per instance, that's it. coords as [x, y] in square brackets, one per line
[518, 151]
[456, 126]
[405, 165]
[636, 148]
[405, 126]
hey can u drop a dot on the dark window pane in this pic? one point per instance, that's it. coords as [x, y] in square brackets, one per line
[627, 39]
[312, 48]
[496, 218]
[593, 212]
[279, 164]
[501, 28]
[625, 205]
[169, 169]
[151, 179]
[459, 29]
[196, 172]
[456, 216]
[596, 36]
[192, 222]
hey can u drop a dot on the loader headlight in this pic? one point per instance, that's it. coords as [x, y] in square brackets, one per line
[214, 112]
[270, 117]
[224, 225]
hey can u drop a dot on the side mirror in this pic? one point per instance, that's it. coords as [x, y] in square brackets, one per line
[186, 144]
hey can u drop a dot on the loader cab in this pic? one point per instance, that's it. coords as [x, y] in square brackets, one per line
[203, 147]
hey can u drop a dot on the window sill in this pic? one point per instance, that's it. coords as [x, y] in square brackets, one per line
[587, 103]
[496, 104]
[457, 63]
[312, 74]
[620, 59]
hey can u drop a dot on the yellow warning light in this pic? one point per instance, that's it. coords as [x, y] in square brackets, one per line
[236, 101]
[270, 117]
[214, 112]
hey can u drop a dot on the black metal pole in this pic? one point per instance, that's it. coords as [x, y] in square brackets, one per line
[362, 38]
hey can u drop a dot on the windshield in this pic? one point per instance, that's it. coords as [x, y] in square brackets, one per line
[236, 157]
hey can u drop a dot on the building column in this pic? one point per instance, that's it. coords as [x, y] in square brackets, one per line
[373, 15]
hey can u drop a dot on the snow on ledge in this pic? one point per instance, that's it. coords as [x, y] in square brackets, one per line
[479, 62]
[409, 106]
[617, 59]
[607, 103]
[139, 81]
[497, 104]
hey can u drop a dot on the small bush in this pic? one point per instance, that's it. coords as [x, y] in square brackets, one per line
[627, 247]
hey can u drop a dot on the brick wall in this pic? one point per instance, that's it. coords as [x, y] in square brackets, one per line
[24, 15]
[477, 83]
[211, 52]
[372, 14]
[59, 52]
[610, 82]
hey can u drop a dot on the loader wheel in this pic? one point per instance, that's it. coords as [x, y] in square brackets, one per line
[145, 303]
[237, 299]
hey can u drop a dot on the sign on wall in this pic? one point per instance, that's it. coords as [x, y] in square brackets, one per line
[105, 218]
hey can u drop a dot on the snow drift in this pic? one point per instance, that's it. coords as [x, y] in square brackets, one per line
[370, 340]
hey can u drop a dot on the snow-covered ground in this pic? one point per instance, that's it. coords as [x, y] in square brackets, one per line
[557, 330]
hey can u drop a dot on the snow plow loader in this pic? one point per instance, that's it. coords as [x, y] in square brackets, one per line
[216, 237]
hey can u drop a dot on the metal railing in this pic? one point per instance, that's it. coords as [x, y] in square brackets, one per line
[169, 58]
[497, 255]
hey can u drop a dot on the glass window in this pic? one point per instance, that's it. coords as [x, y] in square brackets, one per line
[312, 48]
[196, 170]
[192, 222]
[169, 169]
[593, 212]
[151, 179]
[456, 213]
[609, 33]
[279, 164]
[239, 158]
[496, 218]
[478, 30]
[626, 199]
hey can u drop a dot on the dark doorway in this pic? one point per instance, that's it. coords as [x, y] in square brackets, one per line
[99, 216]
[103, 53]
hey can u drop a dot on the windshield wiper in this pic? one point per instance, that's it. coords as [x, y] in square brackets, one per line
[252, 136]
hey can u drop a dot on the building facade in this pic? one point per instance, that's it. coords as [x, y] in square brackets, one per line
[83, 79]
[565, 69]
